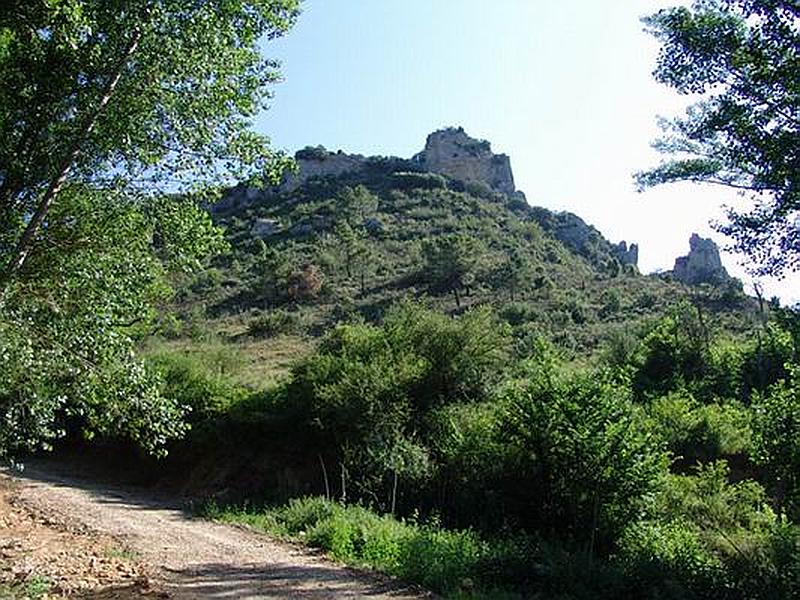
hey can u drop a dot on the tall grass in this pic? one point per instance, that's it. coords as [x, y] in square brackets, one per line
[458, 564]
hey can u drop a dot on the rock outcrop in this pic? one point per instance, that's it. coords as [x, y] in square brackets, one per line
[701, 265]
[451, 152]
[319, 162]
[448, 152]
[582, 238]
[627, 255]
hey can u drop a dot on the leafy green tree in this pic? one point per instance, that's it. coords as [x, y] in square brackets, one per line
[271, 271]
[355, 204]
[104, 106]
[674, 353]
[127, 94]
[582, 467]
[354, 250]
[452, 262]
[743, 56]
[66, 324]
[514, 272]
[368, 392]
[776, 429]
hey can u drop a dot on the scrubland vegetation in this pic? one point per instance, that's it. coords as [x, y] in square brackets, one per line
[414, 373]
[436, 449]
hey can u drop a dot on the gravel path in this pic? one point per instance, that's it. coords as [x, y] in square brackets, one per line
[196, 558]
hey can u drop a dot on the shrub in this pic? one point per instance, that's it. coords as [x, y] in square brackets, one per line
[709, 538]
[193, 382]
[764, 363]
[275, 322]
[407, 181]
[439, 559]
[674, 353]
[776, 428]
[579, 458]
[693, 431]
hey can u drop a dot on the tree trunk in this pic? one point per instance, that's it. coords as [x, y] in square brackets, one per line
[23, 246]
[325, 478]
[394, 491]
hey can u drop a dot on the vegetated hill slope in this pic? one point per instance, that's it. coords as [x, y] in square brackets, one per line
[333, 247]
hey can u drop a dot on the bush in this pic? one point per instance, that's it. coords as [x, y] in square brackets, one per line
[776, 428]
[407, 181]
[368, 391]
[441, 560]
[581, 467]
[674, 353]
[709, 538]
[275, 322]
[197, 383]
[764, 363]
[693, 431]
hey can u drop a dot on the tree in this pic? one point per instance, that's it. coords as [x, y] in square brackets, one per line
[355, 251]
[514, 272]
[776, 432]
[743, 56]
[451, 263]
[356, 204]
[583, 467]
[104, 106]
[271, 270]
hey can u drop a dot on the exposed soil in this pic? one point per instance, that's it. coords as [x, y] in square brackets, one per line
[96, 540]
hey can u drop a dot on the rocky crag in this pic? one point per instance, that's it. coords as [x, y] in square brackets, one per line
[701, 265]
[452, 153]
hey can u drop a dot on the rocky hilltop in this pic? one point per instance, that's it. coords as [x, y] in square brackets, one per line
[701, 265]
[452, 153]
[463, 161]
[449, 152]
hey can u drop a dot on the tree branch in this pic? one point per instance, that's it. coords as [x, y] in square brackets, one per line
[22, 248]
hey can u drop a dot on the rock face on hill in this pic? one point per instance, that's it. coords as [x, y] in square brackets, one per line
[701, 265]
[582, 238]
[319, 162]
[627, 255]
[451, 152]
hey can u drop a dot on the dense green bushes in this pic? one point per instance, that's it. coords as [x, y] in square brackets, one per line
[699, 432]
[777, 439]
[369, 390]
[201, 385]
[710, 539]
[656, 472]
[578, 456]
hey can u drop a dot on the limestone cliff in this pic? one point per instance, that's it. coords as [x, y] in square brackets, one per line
[451, 152]
[701, 265]
[319, 162]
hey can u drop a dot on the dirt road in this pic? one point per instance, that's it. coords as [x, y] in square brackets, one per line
[193, 558]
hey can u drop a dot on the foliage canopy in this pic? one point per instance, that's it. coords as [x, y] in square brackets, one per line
[743, 57]
[104, 105]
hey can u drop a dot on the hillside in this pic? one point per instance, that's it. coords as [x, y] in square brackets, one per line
[346, 236]
[402, 363]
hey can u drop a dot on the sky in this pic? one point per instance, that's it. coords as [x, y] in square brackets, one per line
[565, 88]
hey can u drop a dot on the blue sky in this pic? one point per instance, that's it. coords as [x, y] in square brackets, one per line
[564, 88]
